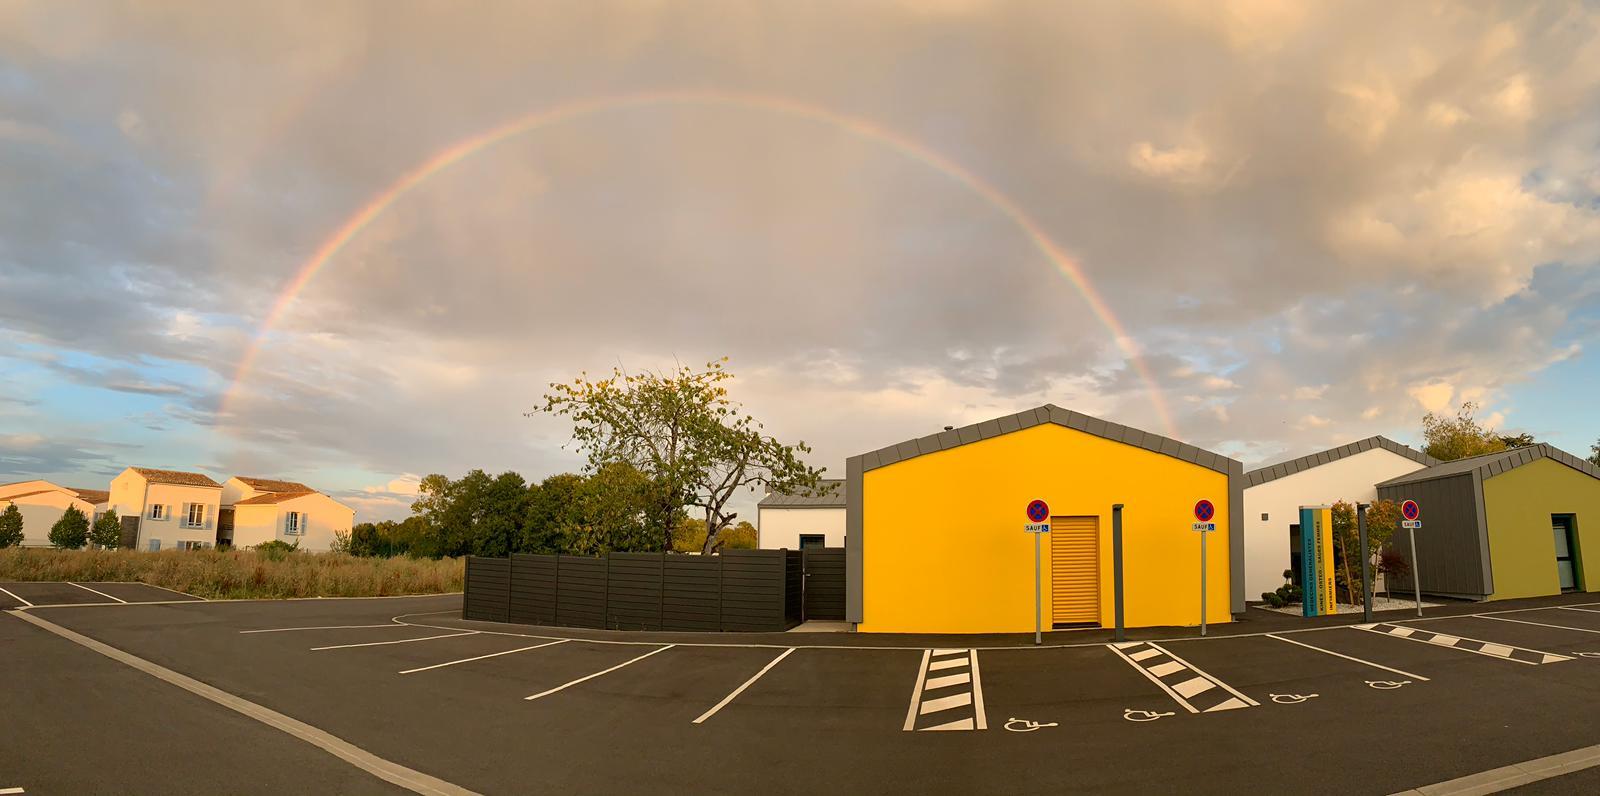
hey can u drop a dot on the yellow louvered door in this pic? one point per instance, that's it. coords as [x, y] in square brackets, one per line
[1075, 570]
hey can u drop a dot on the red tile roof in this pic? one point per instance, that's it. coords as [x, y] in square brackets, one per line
[273, 485]
[92, 495]
[175, 477]
[273, 497]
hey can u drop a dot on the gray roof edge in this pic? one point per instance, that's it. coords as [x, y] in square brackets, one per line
[1262, 475]
[1050, 413]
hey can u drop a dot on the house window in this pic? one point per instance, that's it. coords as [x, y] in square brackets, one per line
[197, 515]
[1263, 516]
[158, 511]
[292, 524]
[188, 545]
[812, 541]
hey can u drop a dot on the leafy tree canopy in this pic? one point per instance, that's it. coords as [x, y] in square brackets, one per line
[107, 531]
[10, 526]
[71, 531]
[1451, 438]
[681, 430]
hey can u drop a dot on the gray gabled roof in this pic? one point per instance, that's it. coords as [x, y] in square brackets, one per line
[1049, 413]
[1273, 472]
[829, 494]
[1489, 465]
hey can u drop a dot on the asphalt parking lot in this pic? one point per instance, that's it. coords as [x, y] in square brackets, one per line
[16, 594]
[496, 708]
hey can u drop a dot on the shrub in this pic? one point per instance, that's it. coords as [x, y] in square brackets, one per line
[239, 574]
[276, 549]
[10, 526]
[71, 531]
[107, 531]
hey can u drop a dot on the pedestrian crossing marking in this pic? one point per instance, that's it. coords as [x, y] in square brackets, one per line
[950, 701]
[1491, 649]
[1193, 689]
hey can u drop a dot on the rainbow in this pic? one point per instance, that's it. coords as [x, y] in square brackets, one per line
[858, 127]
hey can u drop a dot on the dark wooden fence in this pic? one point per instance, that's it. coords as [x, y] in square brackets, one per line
[736, 590]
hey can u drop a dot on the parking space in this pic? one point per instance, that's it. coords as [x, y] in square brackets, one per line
[16, 594]
[498, 710]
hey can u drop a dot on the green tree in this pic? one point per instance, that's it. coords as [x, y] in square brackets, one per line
[691, 536]
[1594, 452]
[613, 513]
[107, 531]
[70, 532]
[10, 526]
[1522, 440]
[681, 430]
[551, 512]
[1451, 438]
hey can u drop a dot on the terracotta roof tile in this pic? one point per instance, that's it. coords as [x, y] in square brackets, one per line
[273, 485]
[92, 495]
[273, 497]
[175, 477]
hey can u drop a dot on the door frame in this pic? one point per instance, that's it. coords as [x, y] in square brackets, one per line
[1574, 551]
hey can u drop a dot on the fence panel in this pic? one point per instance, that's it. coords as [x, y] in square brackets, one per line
[633, 599]
[753, 590]
[580, 591]
[487, 594]
[825, 583]
[692, 593]
[533, 589]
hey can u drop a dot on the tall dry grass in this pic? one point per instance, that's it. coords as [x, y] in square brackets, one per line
[238, 574]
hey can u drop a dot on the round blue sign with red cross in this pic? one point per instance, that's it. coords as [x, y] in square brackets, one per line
[1410, 510]
[1204, 511]
[1038, 511]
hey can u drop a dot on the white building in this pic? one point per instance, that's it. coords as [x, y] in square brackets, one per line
[1274, 494]
[258, 510]
[43, 502]
[166, 509]
[797, 522]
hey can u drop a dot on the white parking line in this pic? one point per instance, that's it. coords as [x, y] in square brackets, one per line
[977, 694]
[1540, 624]
[1585, 610]
[18, 599]
[97, 591]
[1350, 658]
[174, 591]
[320, 627]
[400, 641]
[565, 686]
[8, 791]
[1197, 670]
[916, 691]
[481, 657]
[1490, 649]
[737, 691]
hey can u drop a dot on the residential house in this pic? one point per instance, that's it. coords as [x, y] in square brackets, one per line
[801, 521]
[258, 510]
[43, 502]
[165, 509]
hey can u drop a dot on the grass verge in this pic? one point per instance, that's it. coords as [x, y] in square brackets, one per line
[239, 574]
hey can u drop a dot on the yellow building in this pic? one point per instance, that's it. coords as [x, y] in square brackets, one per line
[935, 537]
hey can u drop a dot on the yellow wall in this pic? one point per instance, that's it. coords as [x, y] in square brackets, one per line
[944, 550]
[1522, 546]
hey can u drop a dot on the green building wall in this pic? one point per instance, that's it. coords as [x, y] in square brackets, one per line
[1518, 506]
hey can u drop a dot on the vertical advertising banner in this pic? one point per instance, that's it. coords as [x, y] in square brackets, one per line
[1318, 593]
[1328, 593]
[1310, 575]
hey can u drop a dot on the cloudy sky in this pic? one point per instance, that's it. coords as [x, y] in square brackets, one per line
[1306, 225]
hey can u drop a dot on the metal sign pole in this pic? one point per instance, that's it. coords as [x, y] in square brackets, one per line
[1416, 579]
[1038, 598]
[1366, 563]
[1203, 536]
[1116, 565]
